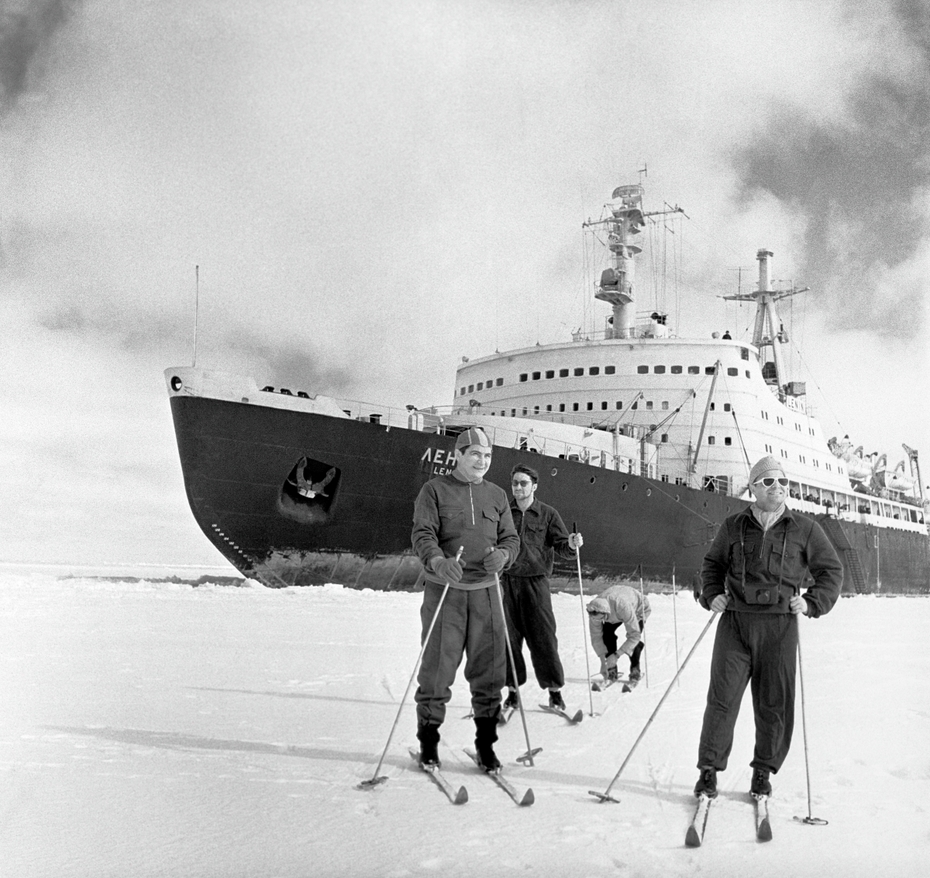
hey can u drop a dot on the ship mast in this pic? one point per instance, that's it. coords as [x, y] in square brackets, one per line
[624, 225]
[769, 331]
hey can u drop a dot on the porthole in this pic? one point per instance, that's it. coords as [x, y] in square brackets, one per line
[176, 383]
[648, 492]
[624, 486]
[555, 471]
[593, 479]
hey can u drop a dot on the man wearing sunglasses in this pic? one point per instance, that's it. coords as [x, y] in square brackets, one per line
[752, 575]
[527, 599]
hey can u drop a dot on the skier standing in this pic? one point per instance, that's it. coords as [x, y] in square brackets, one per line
[527, 598]
[752, 576]
[462, 510]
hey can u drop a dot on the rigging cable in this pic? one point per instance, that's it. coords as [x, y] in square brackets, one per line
[742, 444]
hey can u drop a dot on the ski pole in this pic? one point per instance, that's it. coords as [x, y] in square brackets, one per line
[642, 630]
[375, 780]
[810, 821]
[605, 796]
[584, 624]
[530, 752]
[675, 614]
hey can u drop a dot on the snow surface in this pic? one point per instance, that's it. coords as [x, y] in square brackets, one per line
[153, 728]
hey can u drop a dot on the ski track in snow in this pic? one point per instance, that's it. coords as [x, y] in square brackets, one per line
[154, 728]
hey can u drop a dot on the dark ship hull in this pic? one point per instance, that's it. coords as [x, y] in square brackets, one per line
[239, 461]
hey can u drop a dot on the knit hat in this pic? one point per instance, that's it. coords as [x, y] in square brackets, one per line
[764, 465]
[472, 436]
[598, 605]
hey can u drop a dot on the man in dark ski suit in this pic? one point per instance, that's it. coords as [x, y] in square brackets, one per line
[527, 599]
[463, 511]
[752, 576]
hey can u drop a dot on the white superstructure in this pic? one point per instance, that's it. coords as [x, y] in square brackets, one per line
[701, 410]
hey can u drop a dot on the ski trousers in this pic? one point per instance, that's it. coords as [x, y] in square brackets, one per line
[470, 623]
[760, 649]
[528, 605]
[609, 636]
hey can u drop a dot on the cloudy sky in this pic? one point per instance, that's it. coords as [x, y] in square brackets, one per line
[372, 190]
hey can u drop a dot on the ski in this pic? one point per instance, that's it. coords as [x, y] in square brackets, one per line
[601, 685]
[630, 684]
[695, 835]
[763, 826]
[459, 797]
[572, 718]
[526, 799]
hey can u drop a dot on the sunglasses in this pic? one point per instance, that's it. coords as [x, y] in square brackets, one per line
[521, 483]
[769, 481]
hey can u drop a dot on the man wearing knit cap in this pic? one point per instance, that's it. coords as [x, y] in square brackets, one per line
[463, 534]
[753, 576]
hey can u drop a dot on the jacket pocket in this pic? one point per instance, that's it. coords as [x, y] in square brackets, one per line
[451, 521]
[490, 520]
[743, 553]
[784, 560]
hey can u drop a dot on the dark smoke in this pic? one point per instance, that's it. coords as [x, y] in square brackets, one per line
[134, 327]
[146, 329]
[858, 187]
[26, 28]
[294, 368]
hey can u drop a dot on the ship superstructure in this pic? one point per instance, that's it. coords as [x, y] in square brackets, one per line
[641, 437]
[705, 408]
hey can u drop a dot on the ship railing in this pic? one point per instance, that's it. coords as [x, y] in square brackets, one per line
[579, 419]
[452, 419]
[642, 329]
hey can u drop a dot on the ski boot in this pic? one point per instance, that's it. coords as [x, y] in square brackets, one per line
[485, 736]
[428, 736]
[707, 783]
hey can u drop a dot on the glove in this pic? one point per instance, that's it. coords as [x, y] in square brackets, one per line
[575, 541]
[798, 605]
[448, 569]
[612, 674]
[495, 560]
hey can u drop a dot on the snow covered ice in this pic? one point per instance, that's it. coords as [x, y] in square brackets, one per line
[157, 728]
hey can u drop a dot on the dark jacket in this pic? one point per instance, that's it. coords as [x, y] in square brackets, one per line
[761, 570]
[542, 535]
[449, 513]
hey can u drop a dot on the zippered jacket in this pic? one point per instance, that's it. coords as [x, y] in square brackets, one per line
[747, 563]
[543, 535]
[449, 513]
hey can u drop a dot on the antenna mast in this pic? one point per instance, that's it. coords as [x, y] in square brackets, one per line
[196, 307]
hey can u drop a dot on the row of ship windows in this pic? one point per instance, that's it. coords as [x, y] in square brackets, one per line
[595, 370]
[589, 406]
[650, 406]
[780, 420]
[618, 405]
[802, 458]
